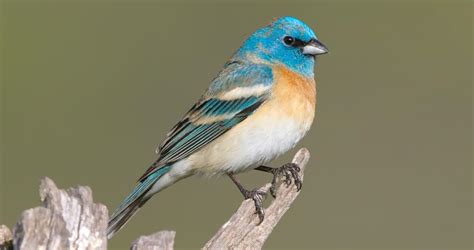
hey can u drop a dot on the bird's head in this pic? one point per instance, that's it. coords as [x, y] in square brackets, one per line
[286, 41]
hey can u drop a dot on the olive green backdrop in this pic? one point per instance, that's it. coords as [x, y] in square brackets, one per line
[90, 89]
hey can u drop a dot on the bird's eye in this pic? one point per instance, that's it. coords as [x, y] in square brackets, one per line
[288, 40]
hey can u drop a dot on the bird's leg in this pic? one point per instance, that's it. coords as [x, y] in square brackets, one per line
[256, 195]
[289, 171]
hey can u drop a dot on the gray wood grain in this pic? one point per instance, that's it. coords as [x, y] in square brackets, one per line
[242, 231]
[68, 219]
[157, 241]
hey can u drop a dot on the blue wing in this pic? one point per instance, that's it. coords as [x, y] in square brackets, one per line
[216, 113]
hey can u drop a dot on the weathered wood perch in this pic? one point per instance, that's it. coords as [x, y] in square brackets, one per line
[69, 219]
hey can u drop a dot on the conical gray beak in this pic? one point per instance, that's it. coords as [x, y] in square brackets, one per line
[315, 47]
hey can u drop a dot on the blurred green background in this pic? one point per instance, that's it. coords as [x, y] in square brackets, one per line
[89, 89]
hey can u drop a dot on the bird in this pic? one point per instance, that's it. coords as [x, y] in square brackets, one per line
[259, 106]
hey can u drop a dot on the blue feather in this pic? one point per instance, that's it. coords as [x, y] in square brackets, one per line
[242, 86]
[266, 44]
[134, 200]
[211, 117]
[194, 136]
[239, 74]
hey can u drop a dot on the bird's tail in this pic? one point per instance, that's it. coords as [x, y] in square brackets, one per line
[134, 201]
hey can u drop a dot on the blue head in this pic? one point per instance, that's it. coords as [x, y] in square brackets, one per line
[286, 41]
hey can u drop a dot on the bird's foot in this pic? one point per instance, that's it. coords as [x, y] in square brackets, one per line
[288, 171]
[258, 197]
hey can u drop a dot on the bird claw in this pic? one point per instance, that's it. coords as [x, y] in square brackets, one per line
[289, 171]
[258, 197]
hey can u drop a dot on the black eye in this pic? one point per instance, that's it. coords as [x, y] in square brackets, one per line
[288, 40]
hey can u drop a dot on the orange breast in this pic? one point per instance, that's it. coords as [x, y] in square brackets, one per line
[295, 94]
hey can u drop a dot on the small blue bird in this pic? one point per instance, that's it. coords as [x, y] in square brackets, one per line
[258, 107]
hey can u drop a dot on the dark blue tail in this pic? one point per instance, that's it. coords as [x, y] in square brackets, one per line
[134, 201]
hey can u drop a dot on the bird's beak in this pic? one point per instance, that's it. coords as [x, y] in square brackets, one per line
[314, 47]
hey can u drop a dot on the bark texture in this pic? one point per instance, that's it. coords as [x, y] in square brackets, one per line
[69, 219]
[242, 231]
[157, 241]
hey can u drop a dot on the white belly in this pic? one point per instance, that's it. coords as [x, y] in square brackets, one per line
[260, 138]
[272, 130]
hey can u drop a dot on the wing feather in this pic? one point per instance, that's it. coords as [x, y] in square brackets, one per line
[212, 116]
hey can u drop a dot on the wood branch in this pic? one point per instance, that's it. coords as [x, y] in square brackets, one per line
[69, 219]
[242, 230]
[160, 240]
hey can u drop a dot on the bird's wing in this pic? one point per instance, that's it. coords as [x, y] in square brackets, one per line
[234, 94]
